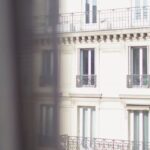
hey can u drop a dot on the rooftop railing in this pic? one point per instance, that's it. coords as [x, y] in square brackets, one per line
[84, 143]
[121, 18]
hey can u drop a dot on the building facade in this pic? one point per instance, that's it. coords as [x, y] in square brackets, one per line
[104, 51]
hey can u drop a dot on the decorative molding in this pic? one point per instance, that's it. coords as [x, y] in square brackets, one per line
[109, 37]
[77, 95]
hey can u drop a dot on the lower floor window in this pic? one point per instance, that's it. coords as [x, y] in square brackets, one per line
[46, 124]
[139, 129]
[87, 121]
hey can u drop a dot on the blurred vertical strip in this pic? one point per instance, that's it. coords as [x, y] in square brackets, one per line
[25, 38]
[9, 119]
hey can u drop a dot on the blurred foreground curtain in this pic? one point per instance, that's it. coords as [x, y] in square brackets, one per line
[18, 113]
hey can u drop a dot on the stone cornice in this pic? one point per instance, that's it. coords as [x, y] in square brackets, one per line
[105, 36]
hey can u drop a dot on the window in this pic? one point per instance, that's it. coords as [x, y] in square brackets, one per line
[139, 129]
[46, 77]
[141, 11]
[138, 67]
[90, 11]
[87, 68]
[46, 124]
[87, 121]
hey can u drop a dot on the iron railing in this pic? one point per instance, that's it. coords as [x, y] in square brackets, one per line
[84, 143]
[86, 80]
[138, 81]
[121, 18]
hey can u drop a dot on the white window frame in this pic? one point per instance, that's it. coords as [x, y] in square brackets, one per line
[91, 4]
[89, 122]
[130, 60]
[141, 110]
[89, 61]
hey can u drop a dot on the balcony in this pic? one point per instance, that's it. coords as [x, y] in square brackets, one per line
[112, 19]
[84, 143]
[86, 80]
[138, 81]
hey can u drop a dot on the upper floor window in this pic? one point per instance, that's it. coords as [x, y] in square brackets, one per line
[90, 11]
[46, 124]
[87, 68]
[46, 77]
[141, 10]
[138, 67]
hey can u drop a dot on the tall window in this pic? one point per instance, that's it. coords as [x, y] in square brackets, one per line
[139, 129]
[139, 66]
[46, 77]
[90, 11]
[87, 65]
[87, 121]
[141, 11]
[46, 124]
[87, 68]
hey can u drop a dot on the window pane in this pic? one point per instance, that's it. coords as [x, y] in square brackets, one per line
[145, 130]
[145, 9]
[87, 11]
[92, 62]
[85, 120]
[136, 61]
[136, 130]
[43, 121]
[50, 121]
[47, 68]
[144, 61]
[85, 62]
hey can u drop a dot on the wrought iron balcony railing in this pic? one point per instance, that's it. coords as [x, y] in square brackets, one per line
[138, 81]
[121, 18]
[84, 143]
[86, 80]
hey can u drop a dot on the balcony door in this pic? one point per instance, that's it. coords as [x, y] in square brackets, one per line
[87, 67]
[89, 14]
[86, 122]
[139, 66]
[139, 129]
[140, 13]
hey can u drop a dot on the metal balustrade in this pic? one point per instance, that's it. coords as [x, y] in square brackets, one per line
[86, 80]
[84, 143]
[138, 81]
[121, 18]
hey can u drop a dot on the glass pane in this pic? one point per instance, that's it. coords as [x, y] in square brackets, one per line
[145, 130]
[136, 61]
[136, 130]
[50, 121]
[85, 62]
[43, 120]
[92, 62]
[46, 64]
[94, 11]
[85, 120]
[144, 61]
[94, 14]
[87, 11]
